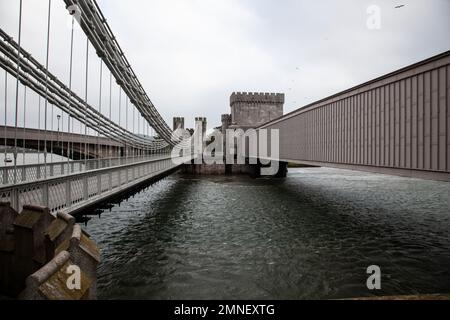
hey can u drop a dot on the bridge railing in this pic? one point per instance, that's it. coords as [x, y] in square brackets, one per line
[34, 172]
[72, 192]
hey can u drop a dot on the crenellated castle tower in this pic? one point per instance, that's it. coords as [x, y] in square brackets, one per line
[250, 110]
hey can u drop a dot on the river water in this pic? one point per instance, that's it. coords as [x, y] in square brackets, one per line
[311, 235]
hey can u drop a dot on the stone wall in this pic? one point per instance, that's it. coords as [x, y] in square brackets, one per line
[218, 169]
[226, 122]
[178, 123]
[203, 122]
[36, 251]
[250, 110]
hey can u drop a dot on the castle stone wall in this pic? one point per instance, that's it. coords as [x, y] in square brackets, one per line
[250, 110]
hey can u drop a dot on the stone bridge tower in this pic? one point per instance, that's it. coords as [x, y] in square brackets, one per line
[178, 123]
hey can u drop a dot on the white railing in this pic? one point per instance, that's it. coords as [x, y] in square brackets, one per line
[34, 172]
[72, 192]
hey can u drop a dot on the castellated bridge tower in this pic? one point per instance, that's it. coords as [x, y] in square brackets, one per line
[178, 123]
[250, 110]
[226, 122]
[203, 122]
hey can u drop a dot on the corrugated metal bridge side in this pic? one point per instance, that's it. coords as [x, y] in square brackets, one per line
[397, 124]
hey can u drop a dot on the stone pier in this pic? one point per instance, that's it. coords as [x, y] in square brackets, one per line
[248, 111]
[40, 252]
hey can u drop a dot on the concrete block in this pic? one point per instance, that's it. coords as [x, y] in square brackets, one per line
[85, 254]
[59, 230]
[29, 232]
[29, 239]
[7, 218]
[50, 282]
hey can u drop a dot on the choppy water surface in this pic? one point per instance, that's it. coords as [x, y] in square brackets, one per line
[311, 235]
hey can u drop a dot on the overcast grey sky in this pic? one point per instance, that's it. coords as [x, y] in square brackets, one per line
[190, 55]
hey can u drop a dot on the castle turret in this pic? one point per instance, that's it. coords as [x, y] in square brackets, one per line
[203, 122]
[226, 122]
[250, 110]
[178, 123]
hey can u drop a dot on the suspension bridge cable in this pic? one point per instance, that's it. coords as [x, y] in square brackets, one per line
[60, 137]
[100, 111]
[138, 131]
[146, 113]
[143, 134]
[126, 125]
[17, 93]
[148, 136]
[59, 94]
[70, 131]
[120, 114]
[39, 132]
[46, 87]
[110, 109]
[85, 106]
[6, 111]
[53, 131]
[24, 117]
[51, 134]
[151, 137]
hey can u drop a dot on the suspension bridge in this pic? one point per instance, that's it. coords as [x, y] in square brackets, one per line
[105, 155]
[95, 134]
[398, 123]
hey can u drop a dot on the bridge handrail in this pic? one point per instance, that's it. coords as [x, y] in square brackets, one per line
[71, 162]
[34, 172]
[72, 192]
[78, 174]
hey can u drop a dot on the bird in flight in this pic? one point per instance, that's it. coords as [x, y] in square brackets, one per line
[400, 6]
